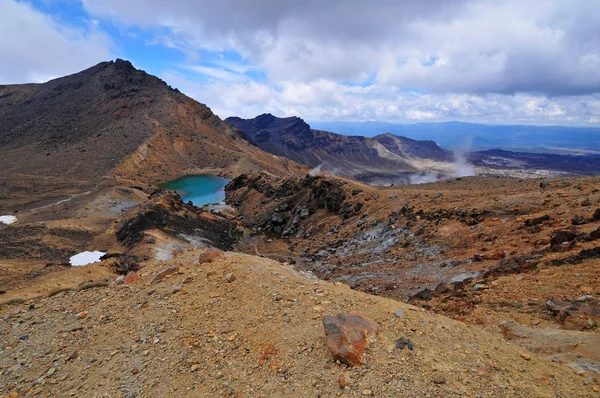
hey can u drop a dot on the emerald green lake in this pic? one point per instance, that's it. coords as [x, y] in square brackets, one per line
[201, 189]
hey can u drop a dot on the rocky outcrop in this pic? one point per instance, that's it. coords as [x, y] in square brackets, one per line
[166, 211]
[581, 313]
[286, 203]
[581, 350]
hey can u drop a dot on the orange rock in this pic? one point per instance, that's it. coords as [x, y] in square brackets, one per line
[348, 337]
[131, 277]
[210, 256]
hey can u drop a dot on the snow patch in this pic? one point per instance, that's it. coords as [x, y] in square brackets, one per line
[8, 220]
[86, 258]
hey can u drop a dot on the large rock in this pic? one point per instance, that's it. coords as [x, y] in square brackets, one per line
[348, 337]
[582, 313]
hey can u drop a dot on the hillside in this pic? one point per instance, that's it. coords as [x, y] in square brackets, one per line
[245, 326]
[317, 271]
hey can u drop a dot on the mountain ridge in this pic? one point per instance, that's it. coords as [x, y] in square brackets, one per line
[348, 156]
[478, 136]
[388, 158]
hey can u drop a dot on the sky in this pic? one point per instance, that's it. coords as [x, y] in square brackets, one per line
[405, 61]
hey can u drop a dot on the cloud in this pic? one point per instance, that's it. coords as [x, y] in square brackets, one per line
[474, 46]
[324, 100]
[36, 48]
[512, 61]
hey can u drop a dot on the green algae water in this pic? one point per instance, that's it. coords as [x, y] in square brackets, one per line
[200, 189]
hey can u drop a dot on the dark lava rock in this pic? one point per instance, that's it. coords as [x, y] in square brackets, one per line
[562, 240]
[537, 221]
[167, 212]
[585, 254]
[404, 342]
[514, 265]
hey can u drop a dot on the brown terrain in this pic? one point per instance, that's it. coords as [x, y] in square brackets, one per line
[475, 286]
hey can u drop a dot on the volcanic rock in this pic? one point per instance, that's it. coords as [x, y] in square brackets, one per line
[348, 337]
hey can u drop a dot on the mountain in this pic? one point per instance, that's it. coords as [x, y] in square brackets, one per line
[111, 122]
[475, 136]
[362, 158]
[388, 158]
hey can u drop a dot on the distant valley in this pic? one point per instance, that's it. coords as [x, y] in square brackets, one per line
[475, 136]
[386, 158]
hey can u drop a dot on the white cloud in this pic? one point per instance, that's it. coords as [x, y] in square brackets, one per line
[326, 100]
[512, 61]
[413, 114]
[35, 48]
[475, 46]
[524, 61]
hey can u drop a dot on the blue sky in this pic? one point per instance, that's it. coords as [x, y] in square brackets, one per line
[513, 62]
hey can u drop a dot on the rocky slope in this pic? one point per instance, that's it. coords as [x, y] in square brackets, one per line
[481, 250]
[366, 159]
[245, 326]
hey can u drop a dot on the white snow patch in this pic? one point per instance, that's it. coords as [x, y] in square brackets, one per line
[86, 258]
[8, 220]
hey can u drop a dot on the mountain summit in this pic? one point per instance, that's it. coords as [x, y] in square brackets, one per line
[111, 121]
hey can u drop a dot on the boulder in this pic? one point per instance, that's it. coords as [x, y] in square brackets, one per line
[304, 213]
[277, 219]
[210, 256]
[348, 336]
[562, 240]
